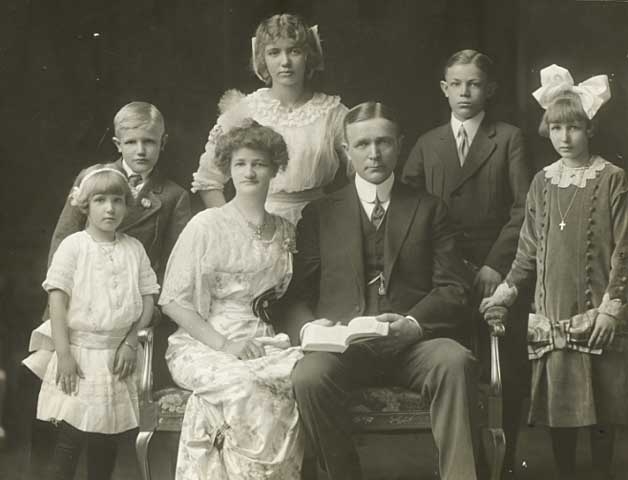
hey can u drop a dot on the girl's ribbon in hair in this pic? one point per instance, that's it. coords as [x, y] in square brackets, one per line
[76, 191]
[317, 39]
[555, 80]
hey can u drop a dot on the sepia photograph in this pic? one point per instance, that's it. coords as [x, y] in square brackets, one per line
[314, 240]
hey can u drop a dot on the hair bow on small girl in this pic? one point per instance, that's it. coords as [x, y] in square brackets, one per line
[555, 80]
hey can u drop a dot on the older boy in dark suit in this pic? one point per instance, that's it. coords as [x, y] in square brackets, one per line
[477, 166]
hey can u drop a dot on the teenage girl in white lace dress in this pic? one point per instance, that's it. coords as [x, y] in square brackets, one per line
[286, 53]
[241, 420]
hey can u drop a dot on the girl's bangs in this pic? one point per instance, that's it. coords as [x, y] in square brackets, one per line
[107, 183]
[565, 110]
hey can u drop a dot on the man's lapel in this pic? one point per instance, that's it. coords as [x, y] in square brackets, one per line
[349, 230]
[481, 148]
[400, 215]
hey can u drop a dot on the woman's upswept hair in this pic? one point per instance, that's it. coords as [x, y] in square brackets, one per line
[251, 134]
[285, 25]
[105, 182]
[565, 108]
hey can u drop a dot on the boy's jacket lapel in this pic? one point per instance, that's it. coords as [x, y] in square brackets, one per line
[146, 204]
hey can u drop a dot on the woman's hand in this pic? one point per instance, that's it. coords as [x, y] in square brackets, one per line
[68, 373]
[603, 331]
[125, 361]
[244, 349]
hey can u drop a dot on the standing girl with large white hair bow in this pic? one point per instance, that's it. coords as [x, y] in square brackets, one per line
[575, 240]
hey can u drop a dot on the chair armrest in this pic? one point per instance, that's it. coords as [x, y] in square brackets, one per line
[495, 317]
[145, 336]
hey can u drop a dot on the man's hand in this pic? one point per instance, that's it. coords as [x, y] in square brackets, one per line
[486, 281]
[402, 332]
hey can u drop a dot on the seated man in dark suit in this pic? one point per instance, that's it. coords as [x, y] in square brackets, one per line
[377, 248]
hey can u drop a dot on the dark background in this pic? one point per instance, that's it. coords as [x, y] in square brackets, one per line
[67, 66]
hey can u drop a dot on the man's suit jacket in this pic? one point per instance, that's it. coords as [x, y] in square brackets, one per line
[156, 219]
[424, 275]
[486, 196]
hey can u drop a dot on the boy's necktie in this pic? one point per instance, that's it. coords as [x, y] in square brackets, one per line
[134, 180]
[378, 213]
[463, 144]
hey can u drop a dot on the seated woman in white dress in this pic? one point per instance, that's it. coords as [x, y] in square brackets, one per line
[285, 55]
[241, 420]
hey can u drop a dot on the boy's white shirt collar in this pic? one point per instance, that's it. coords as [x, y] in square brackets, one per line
[471, 125]
[130, 171]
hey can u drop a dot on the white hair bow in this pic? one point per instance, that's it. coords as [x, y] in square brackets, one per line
[317, 39]
[555, 79]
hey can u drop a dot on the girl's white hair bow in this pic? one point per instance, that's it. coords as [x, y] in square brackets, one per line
[555, 80]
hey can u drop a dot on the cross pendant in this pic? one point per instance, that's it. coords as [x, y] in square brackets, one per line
[562, 225]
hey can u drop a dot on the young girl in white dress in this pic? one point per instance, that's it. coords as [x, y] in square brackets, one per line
[574, 241]
[100, 287]
[285, 55]
[241, 420]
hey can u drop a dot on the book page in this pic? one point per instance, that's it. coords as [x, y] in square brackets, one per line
[325, 339]
[361, 328]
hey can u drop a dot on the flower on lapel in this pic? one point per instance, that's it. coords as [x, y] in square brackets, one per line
[145, 202]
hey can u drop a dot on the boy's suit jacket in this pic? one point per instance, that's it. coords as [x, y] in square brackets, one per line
[424, 275]
[156, 219]
[486, 196]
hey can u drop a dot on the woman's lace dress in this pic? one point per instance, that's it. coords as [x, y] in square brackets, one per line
[241, 420]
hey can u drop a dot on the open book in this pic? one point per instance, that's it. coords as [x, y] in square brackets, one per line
[319, 338]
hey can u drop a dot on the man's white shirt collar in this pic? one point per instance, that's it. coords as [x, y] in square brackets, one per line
[367, 190]
[471, 125]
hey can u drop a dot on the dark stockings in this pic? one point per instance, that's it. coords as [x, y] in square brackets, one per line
[564, 446]
[602, 444]
[564, 441]
[101, 454]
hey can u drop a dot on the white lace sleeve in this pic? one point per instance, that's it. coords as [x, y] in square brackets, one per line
[208, 176]
[147, 278]
[185, 281]
[63, 266]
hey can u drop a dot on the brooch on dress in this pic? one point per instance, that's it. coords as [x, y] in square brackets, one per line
[145, 202]
[289, 242]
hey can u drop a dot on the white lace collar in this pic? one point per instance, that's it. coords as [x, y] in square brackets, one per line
[563, 176]
[270, 111]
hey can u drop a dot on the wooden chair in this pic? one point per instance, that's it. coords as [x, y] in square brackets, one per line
[373, 410]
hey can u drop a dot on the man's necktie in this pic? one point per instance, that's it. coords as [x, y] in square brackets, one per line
[463, 144]
[378, 213]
